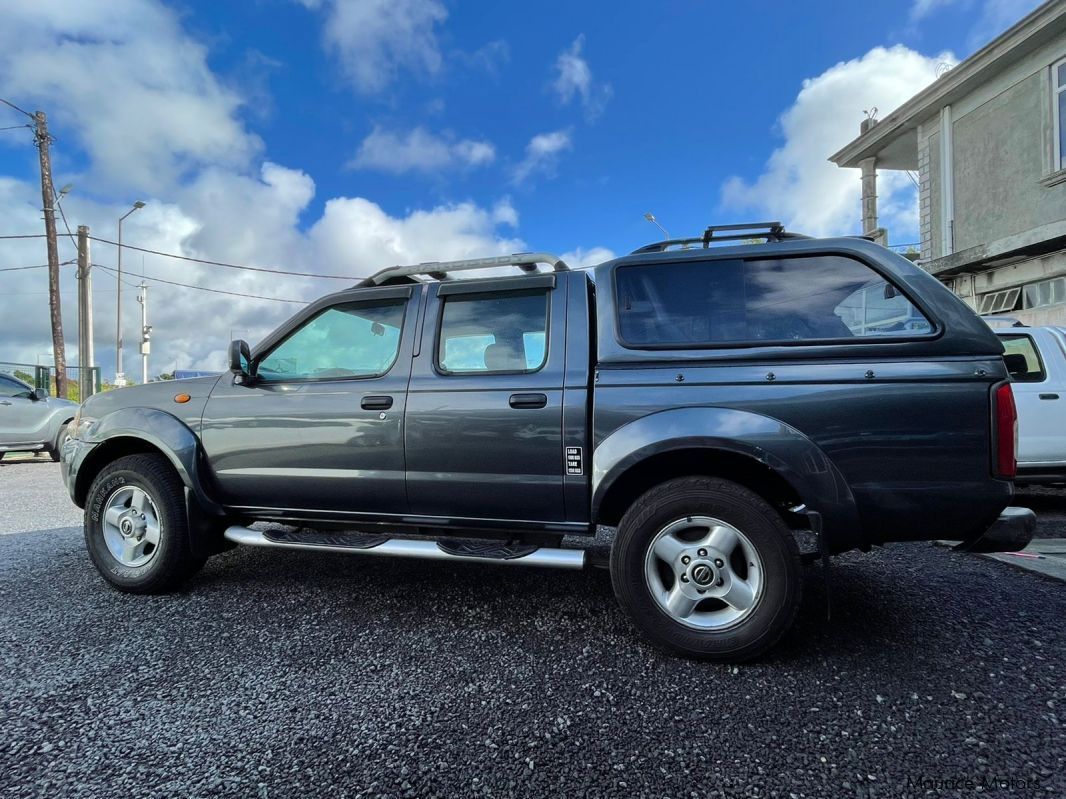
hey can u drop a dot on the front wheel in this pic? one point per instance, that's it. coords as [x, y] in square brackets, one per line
[136, 528]
[707, 569]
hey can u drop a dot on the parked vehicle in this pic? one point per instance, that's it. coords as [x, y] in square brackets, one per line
[1036, 359]
[30, 420]
[717, 404]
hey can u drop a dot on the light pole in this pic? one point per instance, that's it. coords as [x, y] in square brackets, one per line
[146, 331]
[120, 379]
[651, 218]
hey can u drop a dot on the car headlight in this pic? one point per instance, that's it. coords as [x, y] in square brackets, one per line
[80, 425]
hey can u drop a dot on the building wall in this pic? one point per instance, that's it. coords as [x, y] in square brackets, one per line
[999, 164]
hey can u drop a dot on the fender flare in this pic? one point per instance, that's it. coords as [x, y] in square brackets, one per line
[169, 435]
[778, 446]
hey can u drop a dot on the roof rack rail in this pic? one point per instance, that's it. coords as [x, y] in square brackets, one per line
[771, 231]
[440, 270]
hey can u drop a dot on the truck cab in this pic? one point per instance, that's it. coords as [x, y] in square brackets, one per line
[730, 410]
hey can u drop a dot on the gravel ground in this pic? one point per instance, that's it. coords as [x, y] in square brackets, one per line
[293, 675]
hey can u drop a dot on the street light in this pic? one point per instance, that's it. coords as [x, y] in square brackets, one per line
[651, 218]
[120, 379]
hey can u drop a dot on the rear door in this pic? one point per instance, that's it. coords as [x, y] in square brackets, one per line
[321, 429]
[1040, 393]
[484, 414]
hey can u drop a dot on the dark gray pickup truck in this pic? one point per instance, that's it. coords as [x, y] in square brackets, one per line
[730, 409]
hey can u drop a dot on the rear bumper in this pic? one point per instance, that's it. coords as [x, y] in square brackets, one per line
[1012, 531]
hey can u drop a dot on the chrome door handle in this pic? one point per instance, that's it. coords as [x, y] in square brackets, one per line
[4, 402]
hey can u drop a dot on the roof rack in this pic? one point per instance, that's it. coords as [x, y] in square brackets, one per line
[440, 270]
[771, 231]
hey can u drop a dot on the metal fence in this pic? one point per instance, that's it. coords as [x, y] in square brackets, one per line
[79, 380]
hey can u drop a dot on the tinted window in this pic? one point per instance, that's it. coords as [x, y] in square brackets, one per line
[10, 387]
[494, 332]
[357, 339]
[1022, 345]
[780, 300]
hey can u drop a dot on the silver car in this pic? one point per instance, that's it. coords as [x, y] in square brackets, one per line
[30, 420]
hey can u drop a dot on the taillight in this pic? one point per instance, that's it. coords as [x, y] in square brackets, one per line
[1006, 432]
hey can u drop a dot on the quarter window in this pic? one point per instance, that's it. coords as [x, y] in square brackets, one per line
[1018, 344]
[356, 339]
[494, 333]
[1058, 111]
[701, 303]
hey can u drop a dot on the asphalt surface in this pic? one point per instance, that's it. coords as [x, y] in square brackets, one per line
[294, 675]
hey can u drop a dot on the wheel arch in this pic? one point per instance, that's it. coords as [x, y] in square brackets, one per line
[145, 430]
[764, 454]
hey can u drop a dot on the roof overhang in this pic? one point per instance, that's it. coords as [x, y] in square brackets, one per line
[893, 141]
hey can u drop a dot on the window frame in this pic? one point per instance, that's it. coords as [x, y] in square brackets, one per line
[467, 292]
[855, 341]
[1058, 95]
[1036, 351]
[301, 321]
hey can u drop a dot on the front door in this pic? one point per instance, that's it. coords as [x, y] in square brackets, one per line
[22, 418]
[484, 413]
[321, 426]
[1041, 400]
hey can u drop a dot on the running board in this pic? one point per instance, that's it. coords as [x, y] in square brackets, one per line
[360, 544]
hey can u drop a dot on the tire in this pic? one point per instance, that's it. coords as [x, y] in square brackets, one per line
[154, 557]
[696, 518]
[56, 452]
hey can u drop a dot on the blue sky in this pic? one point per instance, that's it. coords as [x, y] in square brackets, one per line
[334, 136]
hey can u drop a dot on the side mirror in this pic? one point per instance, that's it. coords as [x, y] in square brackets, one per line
[240, 360]
[39, 394]
[1016, 364]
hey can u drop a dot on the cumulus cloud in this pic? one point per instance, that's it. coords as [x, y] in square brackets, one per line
[542, 155]
[128, 83]
[373, 40]
[803, 189]
[419, 150]
[220, 203]
[574, 80]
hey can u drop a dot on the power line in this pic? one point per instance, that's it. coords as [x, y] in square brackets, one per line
[205, 288]
[20, 110]
[36, 266]
[222, 263]
[27, 236]
[15, 127]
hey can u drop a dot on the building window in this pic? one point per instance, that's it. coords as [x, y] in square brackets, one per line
[1058, 110]
[998, 301]
[1046, 292]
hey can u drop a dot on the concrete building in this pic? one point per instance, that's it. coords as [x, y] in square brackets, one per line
[988, 143]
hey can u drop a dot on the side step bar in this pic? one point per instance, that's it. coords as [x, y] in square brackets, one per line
[413, 548]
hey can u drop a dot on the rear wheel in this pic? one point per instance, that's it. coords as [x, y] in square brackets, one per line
[136, 528]
[706, 568]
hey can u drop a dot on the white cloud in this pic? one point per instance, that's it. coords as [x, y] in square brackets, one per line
[542, 155]
[374, 39]
[127, 82]
[582, 258]
[988, 18]
[574, 79]
[419, 150]
[803, 189]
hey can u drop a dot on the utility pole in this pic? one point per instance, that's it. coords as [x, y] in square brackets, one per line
[146, 331]
[86, 357]
[43, 140]
[120, 378]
